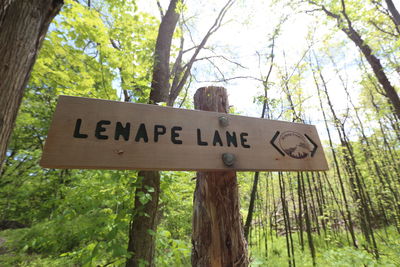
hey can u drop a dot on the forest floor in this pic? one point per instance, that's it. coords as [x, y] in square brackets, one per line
[14, 252]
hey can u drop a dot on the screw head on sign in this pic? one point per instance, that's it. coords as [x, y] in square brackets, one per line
[228, 159]
[223, 121]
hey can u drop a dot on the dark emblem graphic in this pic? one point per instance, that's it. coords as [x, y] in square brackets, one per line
[294, 144]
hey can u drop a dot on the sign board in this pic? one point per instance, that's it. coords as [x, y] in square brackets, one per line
[100, 134]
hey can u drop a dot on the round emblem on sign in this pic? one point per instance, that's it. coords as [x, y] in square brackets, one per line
[294, 145]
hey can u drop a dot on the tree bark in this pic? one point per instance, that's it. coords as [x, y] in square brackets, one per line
[345, 24]
[265, 109]
[161, 74]
[181, 73]
[377, 68]
[253, 194]
[217, 236]
[348, 221]
[395, 14]
[286, 219]
[23, 26]
[144, 224]
[307, 220]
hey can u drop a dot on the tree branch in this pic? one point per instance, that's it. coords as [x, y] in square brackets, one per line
[231, 78]
[160, 9]
[373, 23]
[217, 23]
[222, 57]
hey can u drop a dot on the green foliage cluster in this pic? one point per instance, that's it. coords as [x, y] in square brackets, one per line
[332, 255]
[86, 217]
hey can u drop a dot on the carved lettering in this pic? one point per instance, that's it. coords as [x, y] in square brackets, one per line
[100, 129]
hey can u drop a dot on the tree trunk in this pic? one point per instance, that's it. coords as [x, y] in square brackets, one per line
[345, 24]
[265, 109]
[348, 220]
[394, 12]
[377, 68]
[217, 236]
[161, 74]
[23, 26]
[360, 193]
[249, 218]
[307, 220]
[144, 224]
[286, 220]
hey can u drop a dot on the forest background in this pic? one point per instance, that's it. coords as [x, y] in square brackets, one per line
[329, 63]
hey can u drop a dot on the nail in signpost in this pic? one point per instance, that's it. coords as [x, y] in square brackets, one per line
[100, 134]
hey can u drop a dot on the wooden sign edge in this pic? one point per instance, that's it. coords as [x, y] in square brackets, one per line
[180, 109]
[232, 168]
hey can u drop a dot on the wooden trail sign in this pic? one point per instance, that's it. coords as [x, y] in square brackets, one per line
[100, 134]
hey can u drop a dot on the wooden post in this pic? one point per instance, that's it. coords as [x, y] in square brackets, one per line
[217, 236]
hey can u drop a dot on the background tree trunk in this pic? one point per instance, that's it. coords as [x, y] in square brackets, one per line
[393, 10]
[161, 74]
[346, 25]
[144, 224]
[253, 194]
[23, 26]
[217, 236]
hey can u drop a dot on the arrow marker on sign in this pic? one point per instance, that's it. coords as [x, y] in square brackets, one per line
[273, 143]
[99, 134]
[313, 143]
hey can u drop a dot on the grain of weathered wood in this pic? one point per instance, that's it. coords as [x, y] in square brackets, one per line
[63, 150]
[23, 26]
[217, 235]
